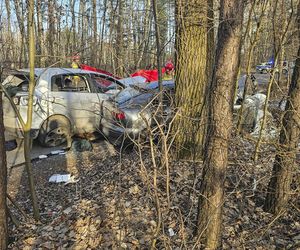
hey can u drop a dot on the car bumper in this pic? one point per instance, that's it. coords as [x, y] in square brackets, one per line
[114, 132]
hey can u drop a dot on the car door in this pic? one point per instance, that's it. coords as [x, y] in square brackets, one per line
[75, 97]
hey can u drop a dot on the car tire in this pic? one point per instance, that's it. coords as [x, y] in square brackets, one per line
[55, 131]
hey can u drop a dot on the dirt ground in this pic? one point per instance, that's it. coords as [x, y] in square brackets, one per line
[112, 206]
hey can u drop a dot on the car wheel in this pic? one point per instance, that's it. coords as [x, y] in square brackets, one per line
[55, 131]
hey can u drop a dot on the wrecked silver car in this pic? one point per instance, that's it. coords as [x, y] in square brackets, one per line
[66, 102]
[136, 109]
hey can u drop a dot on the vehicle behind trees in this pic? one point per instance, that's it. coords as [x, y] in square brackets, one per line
[65, 102]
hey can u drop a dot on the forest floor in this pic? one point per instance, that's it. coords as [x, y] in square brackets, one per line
[113, 206]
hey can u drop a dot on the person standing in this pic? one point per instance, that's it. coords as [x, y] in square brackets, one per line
[169, 72]
[76, 65]
[75, 62]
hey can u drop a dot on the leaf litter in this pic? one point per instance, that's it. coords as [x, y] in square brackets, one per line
[112, 206]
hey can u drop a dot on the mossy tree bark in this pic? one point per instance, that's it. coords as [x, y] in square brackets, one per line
[192, 61]
[220, 103]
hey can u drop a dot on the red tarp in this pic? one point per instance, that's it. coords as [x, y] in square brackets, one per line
[90, 68]
[150, 75]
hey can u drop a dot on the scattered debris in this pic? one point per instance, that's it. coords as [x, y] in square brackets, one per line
[171, 232]
[253, 116]
[57, 178]
[56, 152]
[113, 207]
[81, 145]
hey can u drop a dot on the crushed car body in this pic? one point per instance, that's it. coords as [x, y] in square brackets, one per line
[66, 102]
[136, 109]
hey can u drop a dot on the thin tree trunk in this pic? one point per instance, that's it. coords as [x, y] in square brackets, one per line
[9, 40]
[51, 31]
[94, 54]
[120, 41]
[145, 39]
[20, 18]
[58, 41]
[3, 183]
[249, 61]
[27, 138]
[280, 183]
[73, 28]
[211, 197]
[158, 45]
[40, 35]
[82, 29]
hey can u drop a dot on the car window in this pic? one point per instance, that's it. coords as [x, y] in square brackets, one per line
[69, 83]
[105, 83]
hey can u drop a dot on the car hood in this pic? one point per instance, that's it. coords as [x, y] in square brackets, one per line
[135, 80]
[140, 93]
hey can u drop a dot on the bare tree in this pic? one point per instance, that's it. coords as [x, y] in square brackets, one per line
[119, 39]
[221, 93]
[19, 9]
[27, 127]
[280, 183]
[3, 183]
[94, 54]
[40, 34]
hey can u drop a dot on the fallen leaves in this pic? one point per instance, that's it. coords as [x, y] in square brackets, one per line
[113, 207]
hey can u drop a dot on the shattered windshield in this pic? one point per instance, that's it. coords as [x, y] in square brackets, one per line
[16, 83]
[126, 94]
[134, 91]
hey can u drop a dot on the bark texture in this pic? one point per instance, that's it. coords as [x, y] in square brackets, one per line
[219, 123]
[279, 187]
[191, 78]
[3, 184]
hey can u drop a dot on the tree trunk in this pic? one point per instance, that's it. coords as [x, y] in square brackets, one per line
[94, 54]
[51, 31]
[27, 138]
[145, 38]
[192, 60]
[219, 123]
[119, 41]
[253, 40]
[9, 41]
[3, 183]
[82, 28]
[280, 183]
[102, 33]
[20, 18]
[40, 35]
[73, 27]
